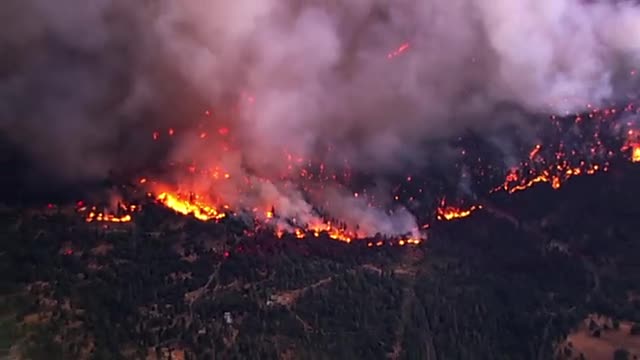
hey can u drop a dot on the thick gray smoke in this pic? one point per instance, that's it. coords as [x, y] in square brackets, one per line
[78, 77]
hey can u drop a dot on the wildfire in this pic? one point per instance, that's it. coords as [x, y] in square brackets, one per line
[193, 206]
[633, 145]
[123, 214]
[448, 213]
[544, 163]
[556, 171]
[102, 217]
[556, 176]
[313, 229]
[401, 242]
[335, 233]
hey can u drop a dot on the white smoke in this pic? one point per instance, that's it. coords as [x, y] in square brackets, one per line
[318, 71]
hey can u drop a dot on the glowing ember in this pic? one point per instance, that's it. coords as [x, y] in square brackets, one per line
[398, 51]
[400, 242]
[123, 214]
[535, 151]
[102, 217]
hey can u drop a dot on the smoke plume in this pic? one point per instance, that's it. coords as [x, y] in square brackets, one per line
[85, 83]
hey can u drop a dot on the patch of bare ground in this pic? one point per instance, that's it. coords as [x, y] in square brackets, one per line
[93, 266]
[596, 339]
[38, 286]
[62, 311]
[230, 339]
[288, 354]
[165, 353]
[47, 304]
[289, 297]
[194, 295]
[408, 267]
[128, 351]
[177, 354]
[191, 258]
[402, 270]
[180, 276]
[372, 268]
[36, 318]
[407, 301]
[16, 353]
[305, 325]
[102, 249]
[87, 346]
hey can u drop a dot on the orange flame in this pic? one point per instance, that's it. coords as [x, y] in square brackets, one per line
[194, 206]
[633, 145]
[448, 213]
[333, 232]
[555, 175]
[401, 242]
[635, 154]
[104, 216]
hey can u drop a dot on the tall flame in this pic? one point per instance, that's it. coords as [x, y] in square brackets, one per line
[194, 206]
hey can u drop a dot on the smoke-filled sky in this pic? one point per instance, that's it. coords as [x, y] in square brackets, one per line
[82, 83]
[76, 75]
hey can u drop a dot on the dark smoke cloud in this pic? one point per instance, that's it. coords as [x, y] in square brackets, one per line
[84, 83]
[77, 83]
